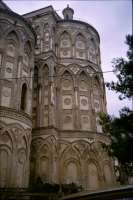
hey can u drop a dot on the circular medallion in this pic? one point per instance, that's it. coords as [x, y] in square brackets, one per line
[84, 102]
[65, 52]
[9, 70]
[67, 101]
[64, 43]
[66, 83]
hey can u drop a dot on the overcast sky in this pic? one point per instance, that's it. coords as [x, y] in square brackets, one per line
[111, 18]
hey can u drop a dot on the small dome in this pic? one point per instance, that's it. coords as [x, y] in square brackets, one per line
[68, 13]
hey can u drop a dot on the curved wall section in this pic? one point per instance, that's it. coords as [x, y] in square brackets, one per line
[16, 63]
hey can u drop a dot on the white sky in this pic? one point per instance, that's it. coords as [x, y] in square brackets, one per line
[111, 18]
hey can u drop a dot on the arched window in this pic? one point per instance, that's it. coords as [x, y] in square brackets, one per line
[93, 182]
[80, 46]
[46, 38]
[67, 92]
[65, 45]
[12, 44]
[23, 97]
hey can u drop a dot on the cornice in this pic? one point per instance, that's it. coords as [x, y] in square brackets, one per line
[17, 115]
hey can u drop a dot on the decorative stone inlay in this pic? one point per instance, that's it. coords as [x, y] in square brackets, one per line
[75, 69]
[65, 43]
[84, 102]
[96, 105]
[80, 44]
[65, 52]
[67, 101]
[9, 70]
[66, 83]
[90, 72]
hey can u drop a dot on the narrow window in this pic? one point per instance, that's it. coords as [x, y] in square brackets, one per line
[23, 97]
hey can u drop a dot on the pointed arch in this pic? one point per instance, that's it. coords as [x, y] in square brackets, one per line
[83, 75]
[47, 42]
[66, 97]
[12, 43]
[46, 94]
[67, 73]
[70, 164]
[65, 39]
[44, 169]
[92, 176]
[45, 162]
[107, 173]
[97, 87]
[83, 81]
[71, 172]
[5, 166]
[70, 152]
[80, 46]
[6, 148]
[38, 38]
[21, 167]
[65, 44]
[13, 35]
[80, 41]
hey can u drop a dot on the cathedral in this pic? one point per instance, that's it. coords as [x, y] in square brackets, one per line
[51, 93]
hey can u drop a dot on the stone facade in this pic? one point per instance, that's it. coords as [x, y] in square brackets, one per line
[53, 87]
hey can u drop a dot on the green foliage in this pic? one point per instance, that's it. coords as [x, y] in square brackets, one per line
[124, 73]
[121, 135]
[120, 128]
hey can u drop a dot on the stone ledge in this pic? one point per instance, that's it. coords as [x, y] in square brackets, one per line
[14, 114]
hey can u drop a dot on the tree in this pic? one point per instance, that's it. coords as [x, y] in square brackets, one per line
[120, 128]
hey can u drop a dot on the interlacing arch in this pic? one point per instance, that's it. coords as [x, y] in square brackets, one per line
[65, 36]
[12, 44]
[70, 163]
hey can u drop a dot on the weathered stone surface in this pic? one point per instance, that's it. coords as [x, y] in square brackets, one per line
[55, 85]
